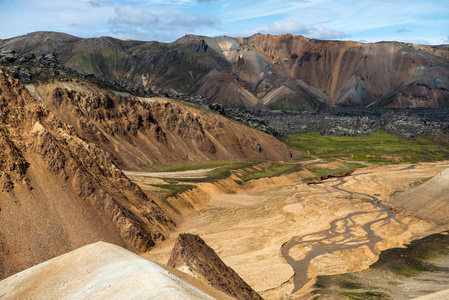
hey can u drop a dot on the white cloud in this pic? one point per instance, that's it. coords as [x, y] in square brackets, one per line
[322, 32]
[98, 3]
[287, 26]
[416, 41]
[254, 9]
[129, 15]
[318, 31]
[156, 24]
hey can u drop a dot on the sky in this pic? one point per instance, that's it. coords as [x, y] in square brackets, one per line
[421, 22]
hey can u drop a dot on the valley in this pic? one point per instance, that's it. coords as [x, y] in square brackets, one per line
[279, 234]
[266, 166]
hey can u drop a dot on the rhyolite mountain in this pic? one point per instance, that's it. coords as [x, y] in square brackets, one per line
[280, 72]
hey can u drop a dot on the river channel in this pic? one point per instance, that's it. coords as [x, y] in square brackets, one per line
[341, 234]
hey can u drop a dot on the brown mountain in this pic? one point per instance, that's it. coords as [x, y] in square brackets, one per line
[60, 192]
[62, 146]
[339, 73]
[193, 256]
[144, 133]
[281, 72]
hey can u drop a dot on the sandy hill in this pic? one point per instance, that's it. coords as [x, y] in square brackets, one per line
[281, 72]
[101, 271]
[429, 200]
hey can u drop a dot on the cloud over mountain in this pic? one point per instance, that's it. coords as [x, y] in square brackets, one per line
[318, 31]
[167, 21]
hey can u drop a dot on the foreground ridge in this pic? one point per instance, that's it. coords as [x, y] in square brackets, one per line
[98, 271]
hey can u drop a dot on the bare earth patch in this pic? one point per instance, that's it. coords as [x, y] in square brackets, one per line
[190, 174]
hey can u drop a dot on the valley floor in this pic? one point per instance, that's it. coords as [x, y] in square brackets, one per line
[279, 234]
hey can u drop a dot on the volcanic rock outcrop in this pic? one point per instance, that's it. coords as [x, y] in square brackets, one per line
[406, 122]
[193, 256]
[281, 72]
[59, 192]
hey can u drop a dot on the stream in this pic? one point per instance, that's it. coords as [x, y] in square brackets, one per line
[340, 235]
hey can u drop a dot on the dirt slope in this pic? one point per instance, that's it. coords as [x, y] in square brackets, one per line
[144, 133]
[59, 192]
[429, 200]
[100, 271]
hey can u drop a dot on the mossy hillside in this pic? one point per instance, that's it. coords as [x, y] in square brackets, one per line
[177, 66]
[170, 190]
[301, 100]
[369, 295]
[185, 69]
[196, 166]
[416, 257]
[346, 167]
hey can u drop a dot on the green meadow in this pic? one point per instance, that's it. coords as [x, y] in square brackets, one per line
[380, 147]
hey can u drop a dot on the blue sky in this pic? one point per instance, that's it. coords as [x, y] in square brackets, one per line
[425, 22]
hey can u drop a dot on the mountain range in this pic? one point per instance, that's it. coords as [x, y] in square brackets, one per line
[75, 114]
[280, 72]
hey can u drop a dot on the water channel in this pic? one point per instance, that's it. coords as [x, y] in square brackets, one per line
[340, 235]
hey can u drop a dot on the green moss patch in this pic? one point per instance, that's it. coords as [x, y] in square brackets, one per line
[275, 169]
[380, 147]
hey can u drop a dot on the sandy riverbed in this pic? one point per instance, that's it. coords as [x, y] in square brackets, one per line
[272, 232]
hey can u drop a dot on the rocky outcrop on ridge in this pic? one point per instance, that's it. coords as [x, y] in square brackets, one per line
[28, 68]
[59, 192]
[193, 256]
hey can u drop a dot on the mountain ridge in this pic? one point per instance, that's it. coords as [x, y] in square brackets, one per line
[60, 192]
[240, 72]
